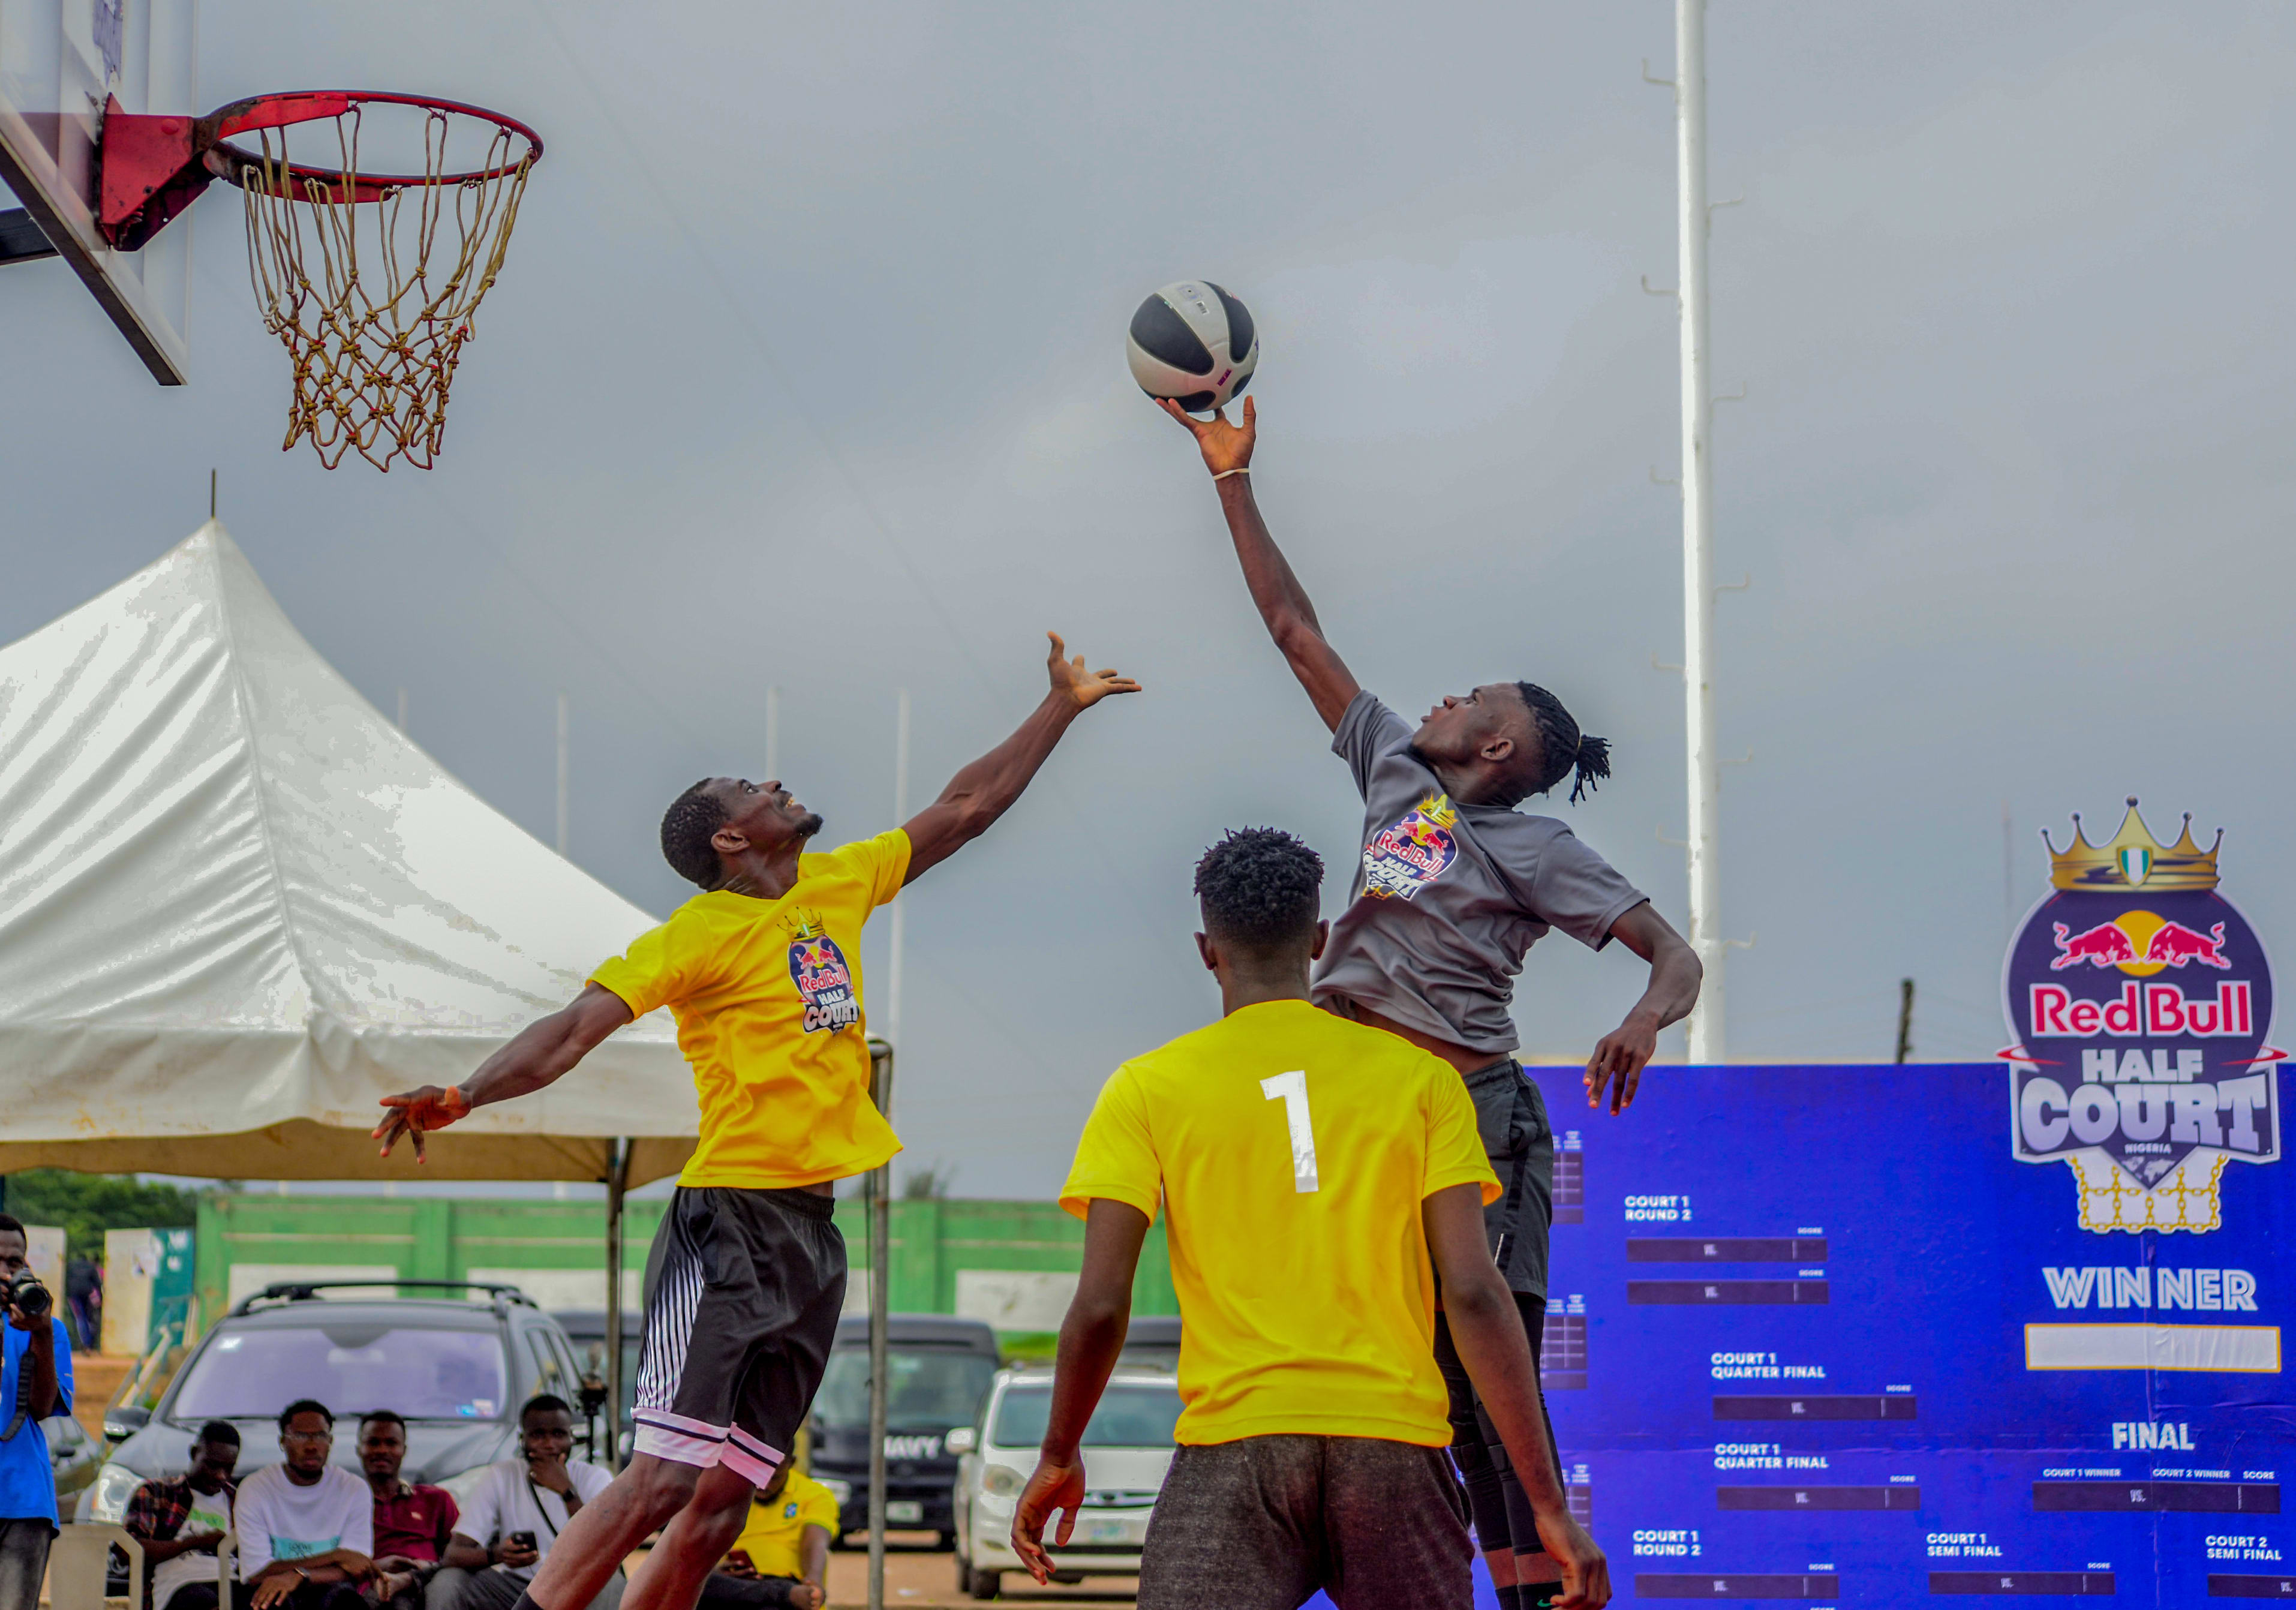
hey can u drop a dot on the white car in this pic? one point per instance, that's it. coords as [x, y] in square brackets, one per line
[1127, 1448]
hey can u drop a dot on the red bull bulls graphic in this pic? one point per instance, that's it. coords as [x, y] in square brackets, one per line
[1407, 855]
[2140, 1002]
[825, 983]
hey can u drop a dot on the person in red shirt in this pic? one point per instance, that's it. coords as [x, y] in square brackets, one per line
[412, 1521]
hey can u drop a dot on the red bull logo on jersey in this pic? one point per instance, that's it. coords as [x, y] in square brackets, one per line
[824, 981]
[2140, 1001]
[1407, 855]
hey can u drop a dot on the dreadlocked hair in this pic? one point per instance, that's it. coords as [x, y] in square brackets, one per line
[1260, 887]
[1563, 749]
[687, 826]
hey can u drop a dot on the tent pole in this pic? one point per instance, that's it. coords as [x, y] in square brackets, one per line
[881, 1180]
[618, 1180]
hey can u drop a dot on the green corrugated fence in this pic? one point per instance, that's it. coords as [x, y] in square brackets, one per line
[1012, 1263]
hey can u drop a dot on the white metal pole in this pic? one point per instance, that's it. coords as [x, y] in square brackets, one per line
[773, 734]
[900, 815]
[1705, 772]
[563, 770]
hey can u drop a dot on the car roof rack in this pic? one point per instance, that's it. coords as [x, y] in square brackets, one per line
[307, 1291]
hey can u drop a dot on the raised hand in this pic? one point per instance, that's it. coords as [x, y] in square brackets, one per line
[1086, 687]
[1225, 447]
[416, 1110]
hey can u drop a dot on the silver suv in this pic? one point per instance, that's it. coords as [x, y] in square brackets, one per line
[457, 1368]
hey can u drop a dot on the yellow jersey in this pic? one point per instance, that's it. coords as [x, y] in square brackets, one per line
[777, 1526]
[767, 999]
[1292, 1149]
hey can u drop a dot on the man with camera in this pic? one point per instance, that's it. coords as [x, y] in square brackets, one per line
[519, 1508]
[36, 1381]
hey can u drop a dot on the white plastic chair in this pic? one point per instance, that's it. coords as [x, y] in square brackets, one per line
[80, 1560]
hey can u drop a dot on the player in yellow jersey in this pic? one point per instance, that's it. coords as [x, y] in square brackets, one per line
[1322, 1183]
[762, 971]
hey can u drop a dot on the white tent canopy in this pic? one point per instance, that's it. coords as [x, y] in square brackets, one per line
[237, 906]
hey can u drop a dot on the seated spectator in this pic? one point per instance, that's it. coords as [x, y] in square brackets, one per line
[413, 1523]
[179, 1522]
[306, 1527]
[519, 1508]
[782, 1557]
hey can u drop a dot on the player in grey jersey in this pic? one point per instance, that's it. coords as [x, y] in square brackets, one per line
[1454, 886]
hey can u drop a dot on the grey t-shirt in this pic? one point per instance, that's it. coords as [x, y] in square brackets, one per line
[1448, 899]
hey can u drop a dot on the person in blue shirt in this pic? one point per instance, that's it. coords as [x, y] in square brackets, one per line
[36, 1381]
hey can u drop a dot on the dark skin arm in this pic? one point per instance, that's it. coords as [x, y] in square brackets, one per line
[469, 1554]
[279, 1580]
[1091, 1338]
[159, 1549]
[535, 1056]
[1284, 606]
[812, 1563]
[40, 1354]
[1488, 1332]
[1675, 974]
[985, 790]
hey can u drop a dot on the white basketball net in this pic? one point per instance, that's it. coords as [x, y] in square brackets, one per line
[375, 300]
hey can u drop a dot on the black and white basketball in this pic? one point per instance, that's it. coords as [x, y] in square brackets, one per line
[1193, 343]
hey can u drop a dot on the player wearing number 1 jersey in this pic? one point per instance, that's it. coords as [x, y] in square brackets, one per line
[1318, 1179]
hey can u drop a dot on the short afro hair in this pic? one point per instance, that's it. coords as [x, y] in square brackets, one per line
[687, 826]
[220, 1431]
[306, 1406]
[1563, 749]
[1260, 887]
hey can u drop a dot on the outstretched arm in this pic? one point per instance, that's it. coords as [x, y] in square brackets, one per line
[985, 790]
[1091, 1338]
[1488, 1331]
[541, 1051]
[1282, 602]
[1674, 977]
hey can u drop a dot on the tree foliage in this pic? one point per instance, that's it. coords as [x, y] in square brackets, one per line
[88, 1204]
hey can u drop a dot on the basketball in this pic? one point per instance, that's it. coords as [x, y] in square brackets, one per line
[1194, 343]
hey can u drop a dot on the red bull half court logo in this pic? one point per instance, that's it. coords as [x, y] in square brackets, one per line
[2141, 1003]
[824, 981]
[1407, 855]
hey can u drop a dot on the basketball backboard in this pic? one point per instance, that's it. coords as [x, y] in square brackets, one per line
[60, 62]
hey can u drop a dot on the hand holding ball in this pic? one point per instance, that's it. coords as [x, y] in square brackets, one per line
[1193, 343]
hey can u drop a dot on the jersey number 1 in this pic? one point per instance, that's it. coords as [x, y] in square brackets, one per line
[1291, 1090]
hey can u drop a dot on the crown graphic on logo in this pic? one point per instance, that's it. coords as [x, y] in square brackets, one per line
[803, 923]
[1438, 809]
[2133, 858]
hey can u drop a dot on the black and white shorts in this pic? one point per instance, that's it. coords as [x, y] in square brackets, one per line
[742, 1291]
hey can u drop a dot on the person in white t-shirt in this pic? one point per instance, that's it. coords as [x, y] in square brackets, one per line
[516, 1512]
[306, 1527]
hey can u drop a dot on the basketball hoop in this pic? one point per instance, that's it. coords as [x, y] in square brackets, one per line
[371, 280]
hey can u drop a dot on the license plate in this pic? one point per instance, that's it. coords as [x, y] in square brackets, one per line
[1108, 1532]
[905, 1509]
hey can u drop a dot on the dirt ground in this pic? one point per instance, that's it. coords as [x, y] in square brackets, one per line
[920, 1578]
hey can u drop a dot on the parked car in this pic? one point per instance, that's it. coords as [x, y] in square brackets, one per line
[940, 1369]
[1153, 1342]
[72, 1459]
[585, 1329]
[456, 1368]
[1127, 1448]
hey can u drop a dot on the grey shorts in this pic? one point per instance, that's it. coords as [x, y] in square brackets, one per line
[1511, 1116]
[1262, 1523]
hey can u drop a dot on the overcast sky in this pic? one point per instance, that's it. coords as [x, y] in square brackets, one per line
[805, 369]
